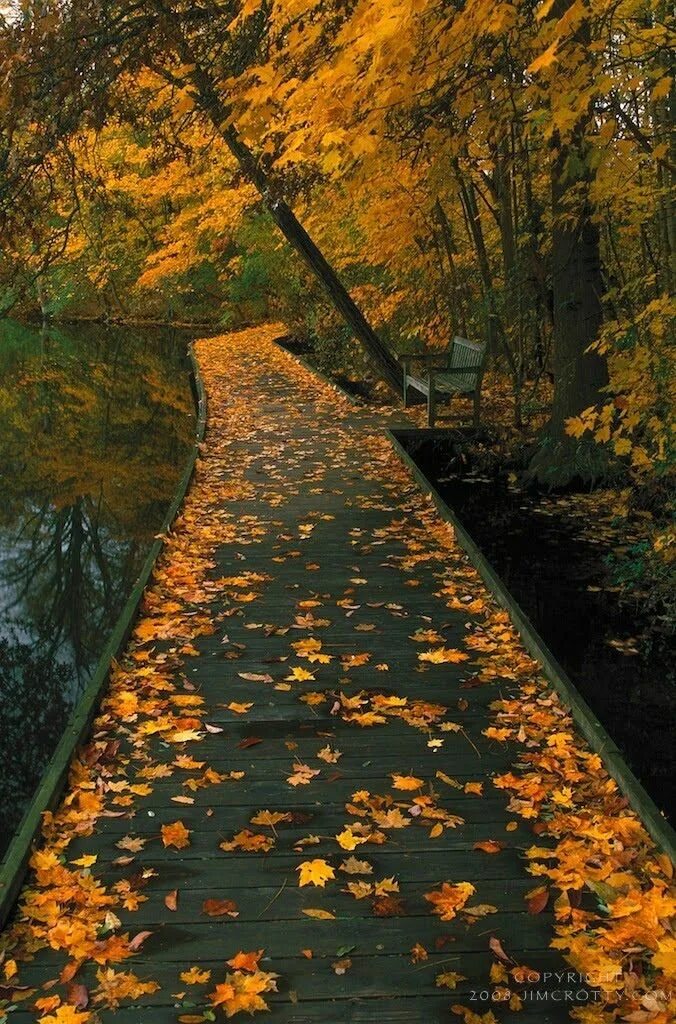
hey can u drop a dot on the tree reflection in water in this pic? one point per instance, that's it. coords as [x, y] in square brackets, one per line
[95, 427]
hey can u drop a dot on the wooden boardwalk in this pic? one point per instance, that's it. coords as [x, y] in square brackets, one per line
[277, 668]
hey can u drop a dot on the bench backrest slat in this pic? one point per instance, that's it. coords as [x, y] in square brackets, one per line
[466, 355]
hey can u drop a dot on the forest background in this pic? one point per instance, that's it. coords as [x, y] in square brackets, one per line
[502, 171]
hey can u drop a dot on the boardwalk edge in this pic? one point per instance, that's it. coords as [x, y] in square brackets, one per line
[333, 384]
[15, 863]
[591, 728]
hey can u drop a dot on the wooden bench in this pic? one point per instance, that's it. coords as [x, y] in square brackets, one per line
[457, 371]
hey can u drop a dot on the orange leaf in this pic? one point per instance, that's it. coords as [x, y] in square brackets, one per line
[537, 899]
[450, 898]
[406, 782]
[246, 961]
[176, 835]
[488, 846]
[171, 900]
[218, 908]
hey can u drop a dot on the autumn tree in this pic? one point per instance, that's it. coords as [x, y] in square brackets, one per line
[503, 171]
[86, 47]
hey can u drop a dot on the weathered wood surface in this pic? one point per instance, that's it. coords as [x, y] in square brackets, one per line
[298, 486]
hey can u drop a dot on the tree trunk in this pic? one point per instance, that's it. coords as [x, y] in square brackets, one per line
[294, 232]
[577, 290]
[456, 298]
[579, 375]
[577, 286]
[475, 232]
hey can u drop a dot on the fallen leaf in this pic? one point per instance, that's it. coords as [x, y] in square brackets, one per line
[246, 961]
[171, 900]
[450, 898]
[342, 966]
[219, 908]
[138, 940]
[175, 834]
[315, 872]
[488, 846]
[537, 899]
[352, 866]
[406, 782]
[195, 976]
[449, 979]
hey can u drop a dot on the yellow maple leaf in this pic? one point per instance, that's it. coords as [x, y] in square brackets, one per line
[352, 866]
[392, 818]
[270, 818]
[348, 840]
[239, 709]
[367, 718]
[449, 979]
[194, 976]
[243, 992]
[300, 675]
[302, 775]
[86, 861]
[329, 755]
[545, 59]
[442, 655]
[250, 842]
[360, 890]
[67, 1015]
[315, 872]
[312, 699]
[386, 885]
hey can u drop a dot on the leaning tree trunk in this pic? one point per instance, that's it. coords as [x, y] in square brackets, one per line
[296, 235]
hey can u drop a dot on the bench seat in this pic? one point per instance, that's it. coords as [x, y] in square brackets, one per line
[458, 371]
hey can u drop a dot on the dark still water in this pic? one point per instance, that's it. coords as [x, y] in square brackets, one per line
[556, 557]
[95, 428]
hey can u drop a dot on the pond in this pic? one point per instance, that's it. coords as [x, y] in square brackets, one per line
[96, 425]
[555, 555]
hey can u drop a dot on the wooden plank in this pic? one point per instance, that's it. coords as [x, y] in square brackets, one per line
[266, 902]
[352, 764]
[374, 978]
[352, 1010]
[205, 844]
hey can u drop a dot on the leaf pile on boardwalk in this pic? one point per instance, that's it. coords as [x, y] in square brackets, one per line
[325, 759]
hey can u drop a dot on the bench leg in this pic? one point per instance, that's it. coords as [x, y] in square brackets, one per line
[477, 408]
[431, 399]
[404, 372]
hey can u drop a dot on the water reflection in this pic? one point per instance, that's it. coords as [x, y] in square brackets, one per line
[95, 428]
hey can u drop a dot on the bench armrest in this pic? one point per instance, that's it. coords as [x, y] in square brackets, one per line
[463, 369]
[423, 357]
